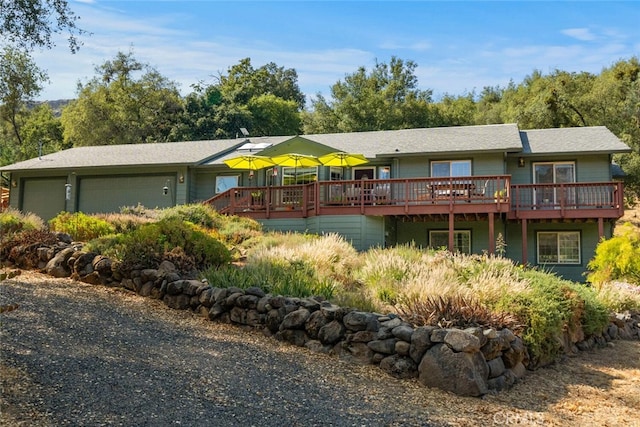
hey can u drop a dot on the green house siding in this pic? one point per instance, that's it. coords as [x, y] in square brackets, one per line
[588, 242]
[481, 164]
[418, 232]
[591, 168]
[363, 232]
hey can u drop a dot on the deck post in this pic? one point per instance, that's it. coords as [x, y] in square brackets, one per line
[492, 234]
[451, 222]
[525, 257]
[600, 228]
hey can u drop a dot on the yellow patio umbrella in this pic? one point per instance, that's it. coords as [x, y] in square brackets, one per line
[249, 161]
[343, 159]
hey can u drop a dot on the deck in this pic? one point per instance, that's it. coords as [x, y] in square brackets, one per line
[432, 198]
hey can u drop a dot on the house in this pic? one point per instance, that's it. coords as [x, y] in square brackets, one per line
[541, 197]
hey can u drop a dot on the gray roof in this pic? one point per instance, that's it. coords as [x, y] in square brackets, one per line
[594, 139]
[394, 143]
[168, 153]
[377, 144]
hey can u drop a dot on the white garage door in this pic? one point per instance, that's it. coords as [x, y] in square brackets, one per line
[44, 197]
[109, 194]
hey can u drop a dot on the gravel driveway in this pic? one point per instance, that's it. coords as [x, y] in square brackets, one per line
[79, 355]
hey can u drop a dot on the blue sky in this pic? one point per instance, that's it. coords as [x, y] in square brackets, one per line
[459, 46]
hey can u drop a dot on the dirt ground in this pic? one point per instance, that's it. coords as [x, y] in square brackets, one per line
[595, 388]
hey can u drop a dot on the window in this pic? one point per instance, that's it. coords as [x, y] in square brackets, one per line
[451, 168]
[364, 173]
[554, 173]
[384, 172]
[559, 247]
[225, 182]
[298, 176]
[335, 173]
[461, 240]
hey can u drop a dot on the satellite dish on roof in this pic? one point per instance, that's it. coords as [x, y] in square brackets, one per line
[244, 131]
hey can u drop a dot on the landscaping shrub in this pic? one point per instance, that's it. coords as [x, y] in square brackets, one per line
[80, 226]
[124, 222]
[146, 246]
[617, 258]
[296, 279]
[330, 256]
[12, 220]
[453, 311]
[199, 214]
[551, 306]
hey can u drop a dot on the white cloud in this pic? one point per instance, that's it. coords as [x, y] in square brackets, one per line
[582, 34]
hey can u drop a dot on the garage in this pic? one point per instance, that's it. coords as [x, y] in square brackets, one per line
[44, 197]
[110, 193]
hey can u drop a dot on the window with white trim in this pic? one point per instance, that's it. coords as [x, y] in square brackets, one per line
[461, 240]
[451, 168]
[558, 247]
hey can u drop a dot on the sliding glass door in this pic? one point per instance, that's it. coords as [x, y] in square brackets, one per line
[554, 173]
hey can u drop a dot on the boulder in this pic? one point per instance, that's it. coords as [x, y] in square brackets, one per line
[402, 348]
[387, 346]
[362, 336]
[293, 336]
[403, 332]
[316, 321]
[355, 352]
[296, 319]
[420, 342]
[178, 302]
[331, 333]
[462, 373]
[360, 321]
[460, 340]
[496, 367]
[57, 266]
[399, 366]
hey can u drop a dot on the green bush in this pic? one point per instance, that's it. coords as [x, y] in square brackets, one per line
[146, 246]
[80, 226]
[617, 258]
[12, 221]
[550, 307]
[199, 214]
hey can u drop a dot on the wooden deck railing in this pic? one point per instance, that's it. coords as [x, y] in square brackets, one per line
[578, 199]
[469, 194]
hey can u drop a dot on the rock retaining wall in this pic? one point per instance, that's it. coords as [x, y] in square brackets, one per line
[468, 362]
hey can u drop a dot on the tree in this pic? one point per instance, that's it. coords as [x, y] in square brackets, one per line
[32, 23]
[266, 101]
[127, 103]
[20, 81]
[243, 82]
[385, 98]
[456, 110]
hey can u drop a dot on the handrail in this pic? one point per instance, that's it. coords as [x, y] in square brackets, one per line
[360, 196]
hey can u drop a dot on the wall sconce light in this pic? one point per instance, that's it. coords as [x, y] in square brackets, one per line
[520, 162]
[14, 184]
[181, 179]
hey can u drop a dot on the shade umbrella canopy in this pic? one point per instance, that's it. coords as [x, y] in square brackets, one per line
[249, 161]
[295, 160]
[343, 159]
